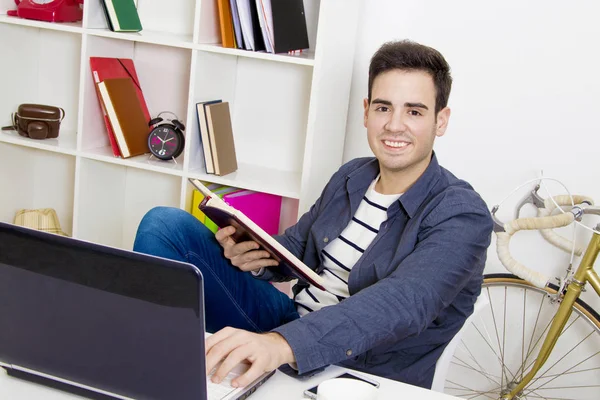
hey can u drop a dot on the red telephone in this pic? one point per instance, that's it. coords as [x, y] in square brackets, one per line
[49, 10]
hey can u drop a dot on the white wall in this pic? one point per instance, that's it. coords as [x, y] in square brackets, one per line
[525, 97]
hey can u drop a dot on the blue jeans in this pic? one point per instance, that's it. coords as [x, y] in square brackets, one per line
[231, 297]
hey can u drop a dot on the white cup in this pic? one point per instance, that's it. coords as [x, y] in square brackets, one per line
[346, 389]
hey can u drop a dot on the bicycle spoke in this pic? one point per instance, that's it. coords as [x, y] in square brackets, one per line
[501, 358]
[465, 365]
[566, 354]
[568, 372]
[497, 338]
[566, 329]
[504, 330]
[493, 351]
[477, 393]
[537, 318]
[541, 397]
[473, 396]
[523, 331]
[485, 393]
[531, 350]
[571, 387]
[472, 357]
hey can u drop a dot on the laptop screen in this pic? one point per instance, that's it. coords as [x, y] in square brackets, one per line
[118, 321]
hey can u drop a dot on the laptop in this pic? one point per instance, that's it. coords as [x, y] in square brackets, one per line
[103, 322]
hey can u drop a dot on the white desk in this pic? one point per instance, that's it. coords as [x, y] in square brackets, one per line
[280, 386]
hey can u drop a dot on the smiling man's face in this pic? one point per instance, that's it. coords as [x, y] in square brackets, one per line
[401, 122]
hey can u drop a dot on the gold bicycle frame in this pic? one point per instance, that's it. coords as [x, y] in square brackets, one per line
[585, 273]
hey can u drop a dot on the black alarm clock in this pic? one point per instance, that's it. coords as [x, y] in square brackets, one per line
[166, 140]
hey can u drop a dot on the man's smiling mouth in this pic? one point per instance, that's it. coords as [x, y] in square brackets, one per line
[398, 144]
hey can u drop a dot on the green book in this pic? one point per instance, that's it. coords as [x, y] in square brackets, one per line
[122, 15]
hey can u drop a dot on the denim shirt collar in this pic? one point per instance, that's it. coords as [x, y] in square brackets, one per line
[411, 200]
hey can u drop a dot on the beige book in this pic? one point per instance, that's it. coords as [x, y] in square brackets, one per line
[221, 138]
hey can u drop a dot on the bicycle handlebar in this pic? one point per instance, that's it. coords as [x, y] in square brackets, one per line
[544, 222]
[554, 238]
[550, 222]
[503, 240]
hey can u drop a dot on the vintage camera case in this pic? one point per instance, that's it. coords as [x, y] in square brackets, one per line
[38, 121]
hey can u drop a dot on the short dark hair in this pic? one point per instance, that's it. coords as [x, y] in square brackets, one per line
[410, 56]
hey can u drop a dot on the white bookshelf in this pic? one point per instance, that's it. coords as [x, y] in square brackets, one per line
[288, 112]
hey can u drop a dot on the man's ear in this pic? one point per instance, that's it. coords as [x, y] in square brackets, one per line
[442, 121]
[366, 114]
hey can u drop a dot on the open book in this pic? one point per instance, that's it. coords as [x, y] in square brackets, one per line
[224, 215]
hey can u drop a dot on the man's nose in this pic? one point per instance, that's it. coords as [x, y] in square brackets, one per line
[396, 122]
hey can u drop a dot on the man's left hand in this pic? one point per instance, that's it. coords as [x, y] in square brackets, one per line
[266, 352]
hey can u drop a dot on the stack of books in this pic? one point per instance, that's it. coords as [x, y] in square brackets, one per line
[275, 26]
[216, 136]
[123, 105]
[263, 209]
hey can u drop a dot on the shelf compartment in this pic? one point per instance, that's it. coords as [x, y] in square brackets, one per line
[164, 78]
[209, 34]
[269, 120]
[171, 25]
[112, 199]
[32, 74]
[145, 161]
[37, 179]
[65, 143]
[258, 178]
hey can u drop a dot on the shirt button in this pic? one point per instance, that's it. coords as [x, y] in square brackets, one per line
[348, 353]
[326, 239]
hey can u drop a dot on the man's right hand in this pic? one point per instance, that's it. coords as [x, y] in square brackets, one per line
[243, 255]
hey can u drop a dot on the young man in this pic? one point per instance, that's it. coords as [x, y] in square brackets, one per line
[400, 242]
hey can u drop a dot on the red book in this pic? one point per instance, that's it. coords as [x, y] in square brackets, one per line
[109, 68]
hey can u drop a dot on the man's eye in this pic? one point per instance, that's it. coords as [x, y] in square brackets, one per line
[414, 113]
[382, 108]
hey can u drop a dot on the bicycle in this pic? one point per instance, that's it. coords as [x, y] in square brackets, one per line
[535, 339]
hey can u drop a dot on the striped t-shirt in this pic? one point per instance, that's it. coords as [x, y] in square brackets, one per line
[341, 254]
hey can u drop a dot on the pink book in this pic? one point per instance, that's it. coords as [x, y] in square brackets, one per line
[262, 208]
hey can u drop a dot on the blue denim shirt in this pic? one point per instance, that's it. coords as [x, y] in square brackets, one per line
[413, 287]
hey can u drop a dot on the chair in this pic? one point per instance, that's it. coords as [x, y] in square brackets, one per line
[443, 363]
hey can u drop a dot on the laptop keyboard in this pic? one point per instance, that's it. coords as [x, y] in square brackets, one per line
[218, 391]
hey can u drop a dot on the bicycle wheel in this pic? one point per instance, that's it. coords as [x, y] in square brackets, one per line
[501, 344]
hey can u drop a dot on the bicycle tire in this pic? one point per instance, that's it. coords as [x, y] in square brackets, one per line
[486, 366]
